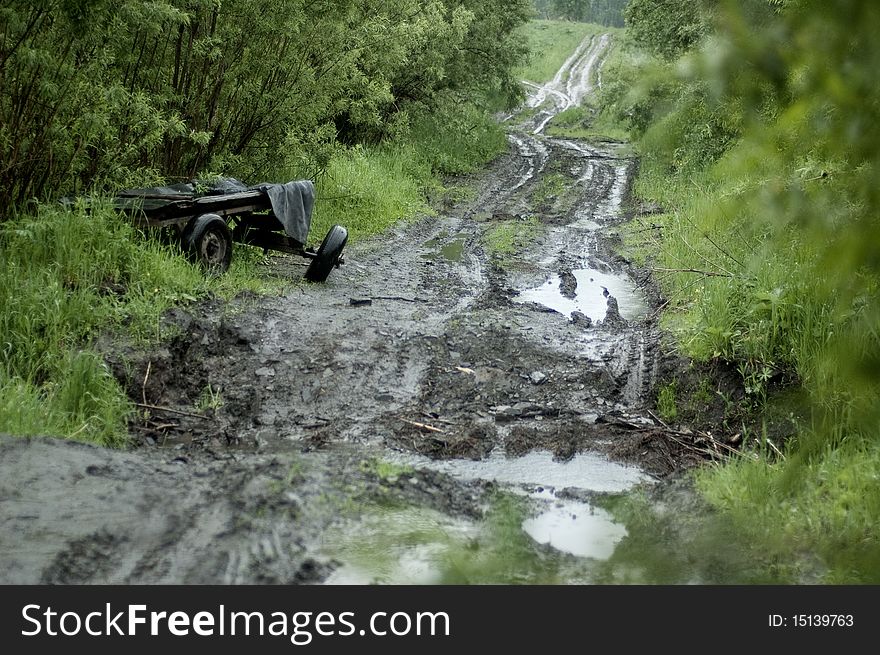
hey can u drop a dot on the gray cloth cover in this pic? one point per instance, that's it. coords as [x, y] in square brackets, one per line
[292, 203]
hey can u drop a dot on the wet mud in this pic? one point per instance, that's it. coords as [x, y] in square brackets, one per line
[425, 344]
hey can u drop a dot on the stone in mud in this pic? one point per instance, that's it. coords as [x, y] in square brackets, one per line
[538, 378]
[581, 320]
[519, 410]
[612, 316]
[568, 284]
[265, 372]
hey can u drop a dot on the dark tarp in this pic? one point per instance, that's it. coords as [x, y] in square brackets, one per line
[292, 203]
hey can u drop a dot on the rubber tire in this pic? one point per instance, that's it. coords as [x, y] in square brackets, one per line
[328, 254]
[208, 241]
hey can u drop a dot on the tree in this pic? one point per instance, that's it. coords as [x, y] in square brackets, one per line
[103, 93]
[667, 28]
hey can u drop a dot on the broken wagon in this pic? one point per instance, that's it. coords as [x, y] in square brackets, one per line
[206, 218]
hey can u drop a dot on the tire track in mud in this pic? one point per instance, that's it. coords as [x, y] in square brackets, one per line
[423, 326]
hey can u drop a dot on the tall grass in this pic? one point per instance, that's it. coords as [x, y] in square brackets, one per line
[369, 188]
[64, 276]
[763, 294]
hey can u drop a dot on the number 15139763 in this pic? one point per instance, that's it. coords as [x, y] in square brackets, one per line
[811, 621]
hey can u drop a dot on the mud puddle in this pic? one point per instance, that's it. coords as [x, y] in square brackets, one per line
[576, 528]
[404, 546]
[539, 469]
[448, 248]
[588, 291]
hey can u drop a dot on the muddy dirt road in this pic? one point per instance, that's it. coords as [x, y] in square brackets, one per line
[499, 344]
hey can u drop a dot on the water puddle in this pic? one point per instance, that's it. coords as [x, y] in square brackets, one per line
[576, 528]
[446, 248]
[588, 471]
[538, 535]
[569, 526]
[394, 545]
[397, 546]
[589, 295]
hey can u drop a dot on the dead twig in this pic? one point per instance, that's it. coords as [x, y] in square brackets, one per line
[658, 419]
[144, 385]
[164, 426]
[775, 449]
[705, 435]
[691, 270]
[436, 419]
[423, 426]
[171, 411]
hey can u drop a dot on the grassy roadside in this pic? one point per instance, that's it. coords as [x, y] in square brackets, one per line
[68, 276]
[764, 297]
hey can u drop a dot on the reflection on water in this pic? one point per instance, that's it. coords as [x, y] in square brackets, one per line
[590, 471]
[534, 536]
[407, 545]
[445, 248]
[576, 528]
[590, 295]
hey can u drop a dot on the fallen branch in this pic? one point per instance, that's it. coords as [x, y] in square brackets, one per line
[775, 449]
[423, 426]
[400, 298]
[438, 420]
[691, 270]
[171, 411]
[164, 426]
[658, 419]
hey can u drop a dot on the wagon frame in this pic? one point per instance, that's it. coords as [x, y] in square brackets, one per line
[201, 225]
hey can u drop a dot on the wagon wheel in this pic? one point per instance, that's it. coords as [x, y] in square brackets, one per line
[329, 254]
[208, 241]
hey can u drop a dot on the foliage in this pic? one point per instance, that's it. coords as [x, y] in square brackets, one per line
[603, 12]
[666, 402]
[667, 28]
[118, 93]
[761, 142]
[64, 275]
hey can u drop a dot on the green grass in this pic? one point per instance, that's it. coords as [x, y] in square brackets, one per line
[551, 43]
[765, 295]
[773, 317]
[830, 512]
[368, 189]
[667, 406]
[384, 470]
[505, 240]
[65, 276]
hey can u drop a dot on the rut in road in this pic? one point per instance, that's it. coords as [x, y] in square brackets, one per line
[450, 351]
[529, 351]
